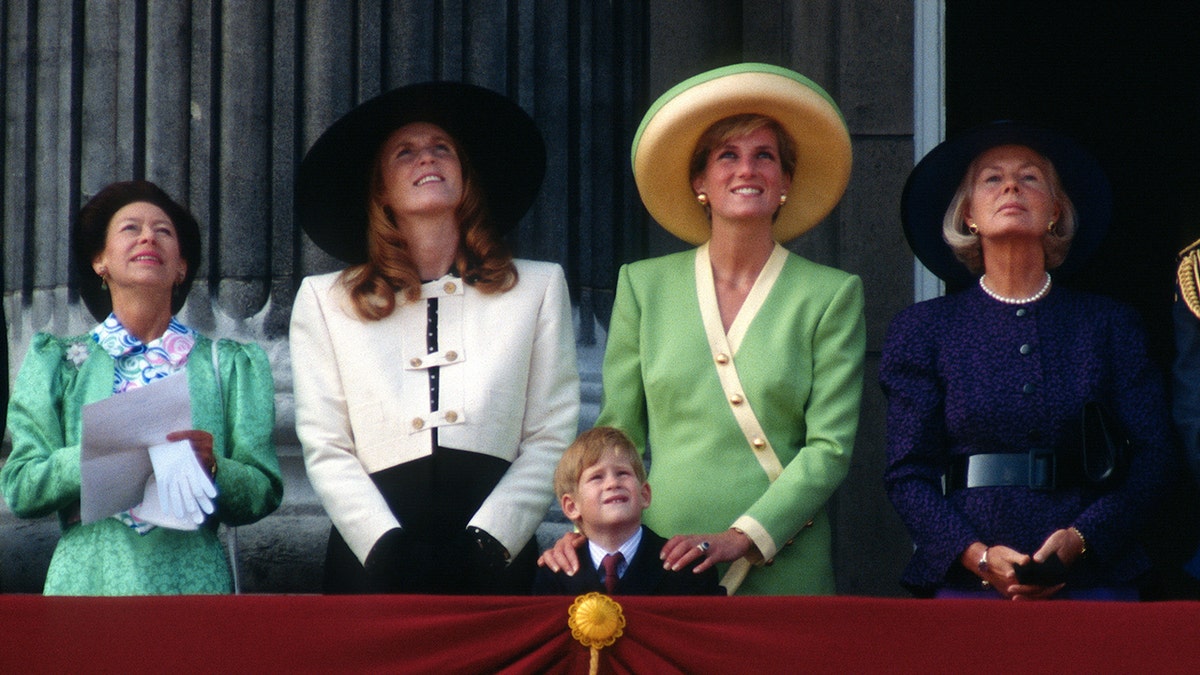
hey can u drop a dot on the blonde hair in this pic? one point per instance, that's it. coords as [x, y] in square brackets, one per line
[483, 259]
[968, 248]
[587, 450]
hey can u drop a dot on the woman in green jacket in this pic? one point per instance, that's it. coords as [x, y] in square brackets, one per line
[738, 364]
[136, 253]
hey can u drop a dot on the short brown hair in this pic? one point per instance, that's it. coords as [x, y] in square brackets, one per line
[587, 449]
[739, 125]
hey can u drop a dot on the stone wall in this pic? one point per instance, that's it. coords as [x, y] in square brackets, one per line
[218, 101]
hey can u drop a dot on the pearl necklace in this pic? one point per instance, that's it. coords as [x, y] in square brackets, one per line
[1016, 301]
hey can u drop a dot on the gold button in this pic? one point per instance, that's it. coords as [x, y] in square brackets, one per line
[451, 355]
[415, 362]
[450, 287]
[418, 423]
[736, 399]
[452, 417]
[722, 359]
[758, 443]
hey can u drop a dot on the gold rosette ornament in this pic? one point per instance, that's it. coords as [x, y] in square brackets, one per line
[596, 621]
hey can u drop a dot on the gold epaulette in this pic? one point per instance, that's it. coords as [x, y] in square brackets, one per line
[1189, 282]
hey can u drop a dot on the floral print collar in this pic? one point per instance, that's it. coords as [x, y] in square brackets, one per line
[137, 363]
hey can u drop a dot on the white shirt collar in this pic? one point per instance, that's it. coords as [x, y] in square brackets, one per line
[628, 549]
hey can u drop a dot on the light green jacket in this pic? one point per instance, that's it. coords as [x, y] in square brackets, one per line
[801, 367]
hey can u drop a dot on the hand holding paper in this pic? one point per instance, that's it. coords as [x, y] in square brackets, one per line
[114, 464]
[184, 488]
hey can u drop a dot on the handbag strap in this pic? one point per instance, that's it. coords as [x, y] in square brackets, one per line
[231, 541]
[724, 350]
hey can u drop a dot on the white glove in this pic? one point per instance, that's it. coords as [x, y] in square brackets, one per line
[184, 487]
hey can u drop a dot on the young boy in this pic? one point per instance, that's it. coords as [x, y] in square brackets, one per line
[601, 486]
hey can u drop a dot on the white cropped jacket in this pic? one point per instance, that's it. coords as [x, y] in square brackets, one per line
[508, 387]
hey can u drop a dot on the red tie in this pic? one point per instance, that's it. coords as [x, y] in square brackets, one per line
[609, 563]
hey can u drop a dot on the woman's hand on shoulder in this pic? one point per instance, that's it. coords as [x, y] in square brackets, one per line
[718, 547]
[561, 556]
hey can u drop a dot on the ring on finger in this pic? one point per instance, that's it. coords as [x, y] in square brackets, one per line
[703, 546]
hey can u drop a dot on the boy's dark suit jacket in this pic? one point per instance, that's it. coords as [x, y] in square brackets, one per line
[645, 575]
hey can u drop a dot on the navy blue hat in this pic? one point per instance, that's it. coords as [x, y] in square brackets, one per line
[935, 179]
[500, 140]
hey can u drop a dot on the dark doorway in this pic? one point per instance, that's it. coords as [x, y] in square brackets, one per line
[1124, 80]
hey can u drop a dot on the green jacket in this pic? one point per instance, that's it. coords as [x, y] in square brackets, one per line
[42, 475]
[801, 367]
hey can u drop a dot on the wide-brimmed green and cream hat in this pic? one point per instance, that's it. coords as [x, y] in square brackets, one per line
[667, 137]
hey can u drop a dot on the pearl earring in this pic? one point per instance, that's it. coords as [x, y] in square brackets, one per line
[702, 198]
[782, 199]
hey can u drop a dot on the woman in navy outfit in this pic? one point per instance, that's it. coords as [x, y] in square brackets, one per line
[987, 387]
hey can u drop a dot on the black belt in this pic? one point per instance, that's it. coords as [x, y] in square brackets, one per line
[1038, 469]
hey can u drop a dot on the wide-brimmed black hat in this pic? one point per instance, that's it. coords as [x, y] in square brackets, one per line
[501, 143]
[935, 179]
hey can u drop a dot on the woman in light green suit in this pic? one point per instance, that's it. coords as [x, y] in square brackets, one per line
[738, 364]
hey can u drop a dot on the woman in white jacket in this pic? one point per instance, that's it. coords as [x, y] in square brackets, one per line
[435, 377]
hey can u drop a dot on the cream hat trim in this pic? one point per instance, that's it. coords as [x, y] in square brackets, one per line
[663, 146]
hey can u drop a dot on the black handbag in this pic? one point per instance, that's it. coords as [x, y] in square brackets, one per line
[1104, 446]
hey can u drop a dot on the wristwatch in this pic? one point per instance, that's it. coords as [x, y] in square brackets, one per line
[983, 563]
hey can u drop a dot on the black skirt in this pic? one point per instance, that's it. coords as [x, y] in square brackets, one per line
[434, 498]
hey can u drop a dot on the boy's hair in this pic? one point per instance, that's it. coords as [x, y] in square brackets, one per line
[587, 449]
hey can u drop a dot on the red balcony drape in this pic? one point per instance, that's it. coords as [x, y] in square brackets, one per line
[442, 634]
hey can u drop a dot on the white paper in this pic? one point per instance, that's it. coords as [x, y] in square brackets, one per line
[117, 433]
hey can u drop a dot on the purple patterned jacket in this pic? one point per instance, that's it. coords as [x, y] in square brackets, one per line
[966, 374]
